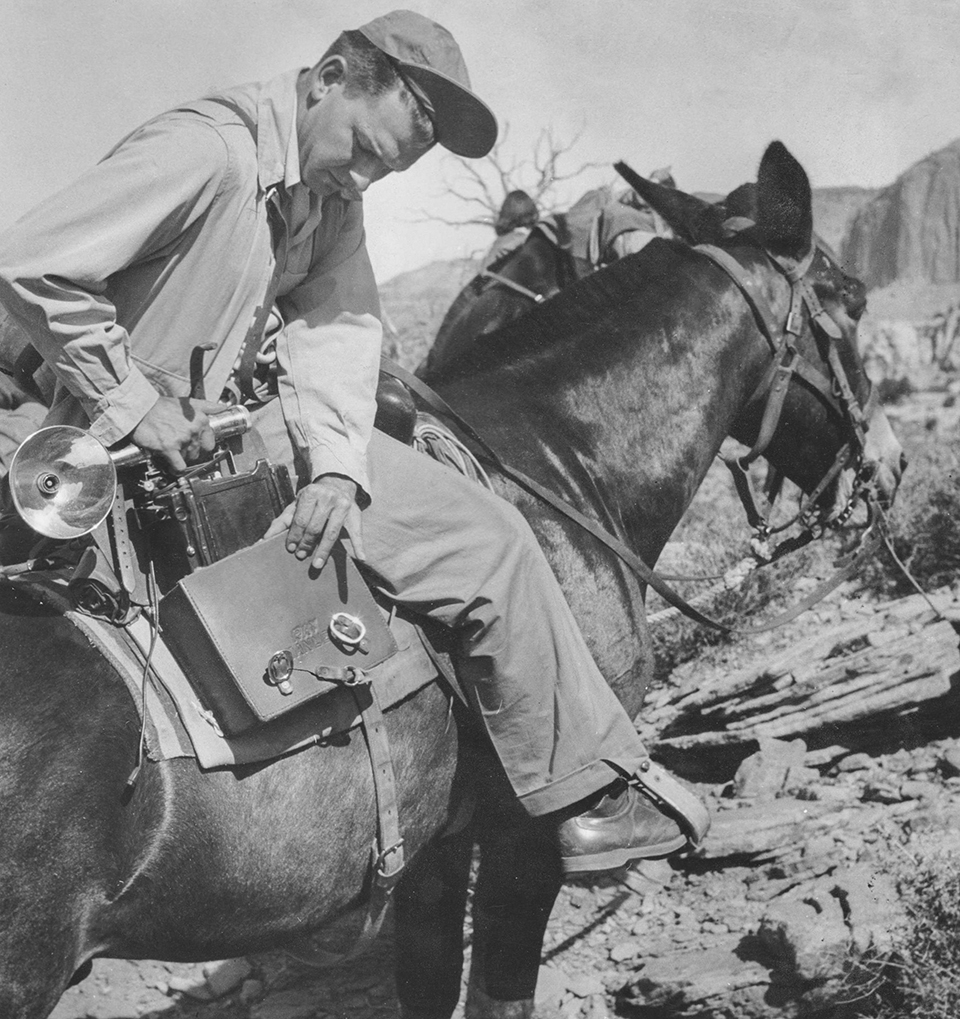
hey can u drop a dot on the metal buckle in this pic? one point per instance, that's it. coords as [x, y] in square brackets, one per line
[342, 675]
[357, 677]
[385, 876]
[279, 670]
[348, 630]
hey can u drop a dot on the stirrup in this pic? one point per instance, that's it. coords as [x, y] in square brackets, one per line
[688, 809]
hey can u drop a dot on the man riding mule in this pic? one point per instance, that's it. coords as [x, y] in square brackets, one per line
[542, 259]
[611, 400]
[155, 277]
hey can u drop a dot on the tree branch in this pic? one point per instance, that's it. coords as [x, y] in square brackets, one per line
[481, 185]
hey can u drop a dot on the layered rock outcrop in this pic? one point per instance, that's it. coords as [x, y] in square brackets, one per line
[911, 229]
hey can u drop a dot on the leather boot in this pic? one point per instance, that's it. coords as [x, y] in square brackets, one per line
[623, 825]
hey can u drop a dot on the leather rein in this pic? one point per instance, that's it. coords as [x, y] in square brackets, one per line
[511, 285]
[786, 365]
[550, 234]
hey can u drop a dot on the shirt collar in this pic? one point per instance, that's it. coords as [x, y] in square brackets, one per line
[273, 105]
[278, 149]
[278, 155]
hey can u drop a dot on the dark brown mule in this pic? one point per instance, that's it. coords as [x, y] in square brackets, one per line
[514, 284]
[617, 394]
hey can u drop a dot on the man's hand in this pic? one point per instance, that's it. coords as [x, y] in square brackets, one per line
[177, 429]
[314, 520]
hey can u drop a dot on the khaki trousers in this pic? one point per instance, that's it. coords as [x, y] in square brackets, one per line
[452, 551]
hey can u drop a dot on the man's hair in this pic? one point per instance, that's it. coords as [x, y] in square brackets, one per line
[518, 209]
[370, 72]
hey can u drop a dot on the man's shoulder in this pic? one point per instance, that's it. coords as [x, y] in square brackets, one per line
[205, 131]
[211, 116]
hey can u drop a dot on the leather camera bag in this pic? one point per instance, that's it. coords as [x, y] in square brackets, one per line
[251, 630]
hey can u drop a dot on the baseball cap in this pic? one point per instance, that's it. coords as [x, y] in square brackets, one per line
[430, 61]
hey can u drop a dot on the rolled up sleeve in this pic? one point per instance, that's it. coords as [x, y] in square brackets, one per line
[56, 262]
[329, 359]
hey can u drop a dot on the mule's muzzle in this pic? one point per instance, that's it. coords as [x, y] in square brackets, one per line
[886, 481]
[878, 481]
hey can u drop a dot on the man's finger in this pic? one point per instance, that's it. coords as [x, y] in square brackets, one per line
[334, 525]
[177, 464]
[355, 533]
[282, 522]
[330, 536]
[208, 441]
[210, 406]
[308, 524]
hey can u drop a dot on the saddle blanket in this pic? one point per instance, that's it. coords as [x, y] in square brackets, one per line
[178, 725]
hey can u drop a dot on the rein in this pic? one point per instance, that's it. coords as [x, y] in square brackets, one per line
[554, 238]
[520, 289]
[786, 364]
[630, 558]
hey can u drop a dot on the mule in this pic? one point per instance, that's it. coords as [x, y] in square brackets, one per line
[518, 281]
[617, 395]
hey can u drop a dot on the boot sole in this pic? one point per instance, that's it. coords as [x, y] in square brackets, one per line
[615, 858]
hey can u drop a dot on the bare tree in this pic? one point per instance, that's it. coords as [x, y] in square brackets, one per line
[482, 184]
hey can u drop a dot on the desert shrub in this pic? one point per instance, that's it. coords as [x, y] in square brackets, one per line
[895, 390]
[924, 982]
[924, 522]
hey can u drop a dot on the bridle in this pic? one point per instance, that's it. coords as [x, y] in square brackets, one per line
[554, 239]
[787, 365]
[513, 285]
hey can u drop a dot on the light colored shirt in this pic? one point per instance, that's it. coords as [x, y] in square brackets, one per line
[166, 245]
[20, 416]
[509, 241]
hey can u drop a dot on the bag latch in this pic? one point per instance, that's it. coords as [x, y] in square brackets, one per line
[279, 671]
[348, 630]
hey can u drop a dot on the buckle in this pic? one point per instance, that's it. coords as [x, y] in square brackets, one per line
[386, 877]
[347, 675]
[794, 324]
[348, 630]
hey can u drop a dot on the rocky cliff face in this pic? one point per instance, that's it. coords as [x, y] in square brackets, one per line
[911, 230]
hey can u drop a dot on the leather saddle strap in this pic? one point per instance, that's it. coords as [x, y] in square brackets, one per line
[630, 558]
[767, 322]
[748, 286]
[254, 337]
[388, 859]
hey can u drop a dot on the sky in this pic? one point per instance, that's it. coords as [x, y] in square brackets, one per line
[858, 90]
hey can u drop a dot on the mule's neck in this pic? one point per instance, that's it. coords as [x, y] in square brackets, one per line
[625, 418]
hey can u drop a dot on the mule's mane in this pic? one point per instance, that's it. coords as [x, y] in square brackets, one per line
[590, 305]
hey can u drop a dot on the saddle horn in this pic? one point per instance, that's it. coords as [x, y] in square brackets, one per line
[63, 481]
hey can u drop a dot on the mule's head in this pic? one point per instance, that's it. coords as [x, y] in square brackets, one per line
[768, 227]
[512, 285]
[828, 342]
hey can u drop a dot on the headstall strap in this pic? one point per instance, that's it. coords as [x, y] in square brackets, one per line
[787, 363]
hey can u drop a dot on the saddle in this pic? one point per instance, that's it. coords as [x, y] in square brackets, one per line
[259, 633]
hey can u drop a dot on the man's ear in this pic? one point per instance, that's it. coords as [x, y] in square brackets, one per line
[328, 73]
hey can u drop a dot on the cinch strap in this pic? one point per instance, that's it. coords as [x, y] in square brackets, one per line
[387, 856]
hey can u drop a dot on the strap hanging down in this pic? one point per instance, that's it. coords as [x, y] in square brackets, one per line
[387, 857]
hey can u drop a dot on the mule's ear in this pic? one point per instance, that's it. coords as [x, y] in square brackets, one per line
[741, 202]
[784, 203]
[690, 218]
